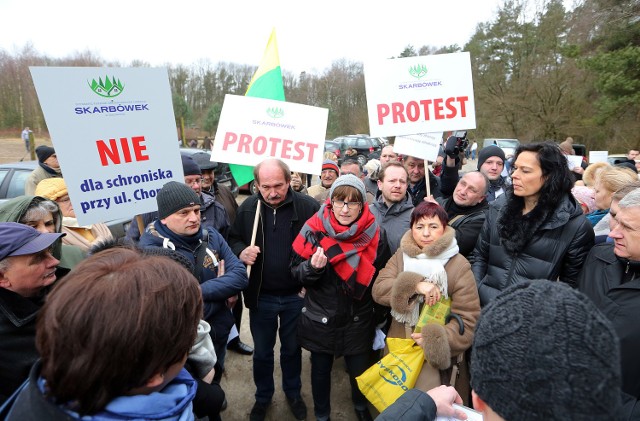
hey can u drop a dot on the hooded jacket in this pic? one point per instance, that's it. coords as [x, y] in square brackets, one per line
[13, 210]
[556, 250]
[37, 175]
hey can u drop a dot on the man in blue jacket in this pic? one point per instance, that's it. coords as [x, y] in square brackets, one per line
[220, 274]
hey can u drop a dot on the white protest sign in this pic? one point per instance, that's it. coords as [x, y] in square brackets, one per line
[253, 129]
[420, 94]
[574, 161]
[423, 145]
[114, 133]
[598, 156]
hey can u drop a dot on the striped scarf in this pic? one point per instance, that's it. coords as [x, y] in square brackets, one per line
[351, 250]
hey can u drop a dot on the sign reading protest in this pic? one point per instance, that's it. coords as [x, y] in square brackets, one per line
[114, 135]
[420, 94]
[423, 145]
[253, 129]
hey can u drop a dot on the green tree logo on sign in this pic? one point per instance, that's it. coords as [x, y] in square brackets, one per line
[275, 112]
[110, 88]
[418, 71]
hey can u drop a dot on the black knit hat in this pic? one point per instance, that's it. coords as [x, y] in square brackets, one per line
[174, 196]
[189, 166]
[542, 350]
[44, 152]
[489, 151]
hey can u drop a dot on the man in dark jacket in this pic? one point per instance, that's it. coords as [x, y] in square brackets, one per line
[417, 180]
[220, 274]
[467, 209]
[27, 269]
[611, 278]
[273, 296]
[392, 209]
[212, 213]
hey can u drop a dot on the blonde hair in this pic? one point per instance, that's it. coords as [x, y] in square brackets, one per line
[331, 156]
[591, 173]
[614, 178]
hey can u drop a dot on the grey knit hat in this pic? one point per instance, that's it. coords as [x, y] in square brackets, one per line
[174, 196]
[349, 180]
[543, 351]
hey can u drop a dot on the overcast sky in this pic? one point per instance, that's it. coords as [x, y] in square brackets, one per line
[310, 35]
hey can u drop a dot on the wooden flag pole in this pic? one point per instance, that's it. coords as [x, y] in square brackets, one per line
[256, 219]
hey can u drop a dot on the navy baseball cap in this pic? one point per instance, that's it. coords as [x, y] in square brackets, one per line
[19, 239]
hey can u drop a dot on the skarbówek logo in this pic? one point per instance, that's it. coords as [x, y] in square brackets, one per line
[110, 88]
[275, 112]
[418, 71]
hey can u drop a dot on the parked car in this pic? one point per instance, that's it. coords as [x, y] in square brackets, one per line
[616, 158]
[220, 170]
[507, 145]
[363, 144]
[13, 177]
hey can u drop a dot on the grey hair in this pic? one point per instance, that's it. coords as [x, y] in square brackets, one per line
[4, 264]
[39, 210]
[631, 200]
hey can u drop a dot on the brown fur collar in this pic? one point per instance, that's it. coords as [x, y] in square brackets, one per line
[409, 246]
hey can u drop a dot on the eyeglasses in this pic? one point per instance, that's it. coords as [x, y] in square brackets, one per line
[192, 182]
[339, 204]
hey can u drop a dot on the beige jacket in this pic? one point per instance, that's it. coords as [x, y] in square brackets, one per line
[465, 302]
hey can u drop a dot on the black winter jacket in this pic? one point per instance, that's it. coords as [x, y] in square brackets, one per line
[332, 321]
[240, 235]
[467, 224]
[555, 251]
[601, 280]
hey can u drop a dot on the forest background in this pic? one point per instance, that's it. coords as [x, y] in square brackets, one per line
[537, 76]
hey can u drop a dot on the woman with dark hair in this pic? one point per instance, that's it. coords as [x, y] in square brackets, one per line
[537, 230]
[113, 337]
[339, 250]
[426, 268]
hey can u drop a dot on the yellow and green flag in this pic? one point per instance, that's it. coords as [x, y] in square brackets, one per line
[265, 83]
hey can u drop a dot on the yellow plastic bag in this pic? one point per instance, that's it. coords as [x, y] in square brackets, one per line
[436, 313]
[394, 374]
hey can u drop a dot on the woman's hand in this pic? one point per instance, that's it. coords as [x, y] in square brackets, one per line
[430, 291]
[318, 260]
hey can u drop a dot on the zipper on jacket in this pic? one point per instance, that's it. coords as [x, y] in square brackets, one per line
[274, 219]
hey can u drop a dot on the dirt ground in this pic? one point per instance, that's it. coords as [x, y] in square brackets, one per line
[237, 380]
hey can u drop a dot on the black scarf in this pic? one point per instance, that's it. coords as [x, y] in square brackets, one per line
[515, 229]
[189, 242]
[49, 169]
[494, 186]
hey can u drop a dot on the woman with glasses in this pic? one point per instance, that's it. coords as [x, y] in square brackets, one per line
[537, 230]
[339, 251]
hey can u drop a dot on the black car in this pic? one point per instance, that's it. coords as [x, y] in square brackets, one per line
[220, 169]
[12, 180]
[363, 145]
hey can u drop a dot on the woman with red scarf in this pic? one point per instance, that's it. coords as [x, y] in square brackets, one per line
[339, 250]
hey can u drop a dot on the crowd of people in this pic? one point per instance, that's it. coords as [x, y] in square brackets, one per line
[539, 267]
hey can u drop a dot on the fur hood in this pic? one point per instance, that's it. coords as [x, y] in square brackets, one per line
[409, 246]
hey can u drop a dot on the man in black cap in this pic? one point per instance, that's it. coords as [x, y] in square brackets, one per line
[27, 270]
[48, 167]
[224, 196]
[212, 213]
[220, 273]
[491, 160]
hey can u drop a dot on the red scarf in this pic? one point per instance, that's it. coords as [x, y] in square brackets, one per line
[351, 250]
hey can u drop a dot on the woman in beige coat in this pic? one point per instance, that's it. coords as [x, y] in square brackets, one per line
[426, 268]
